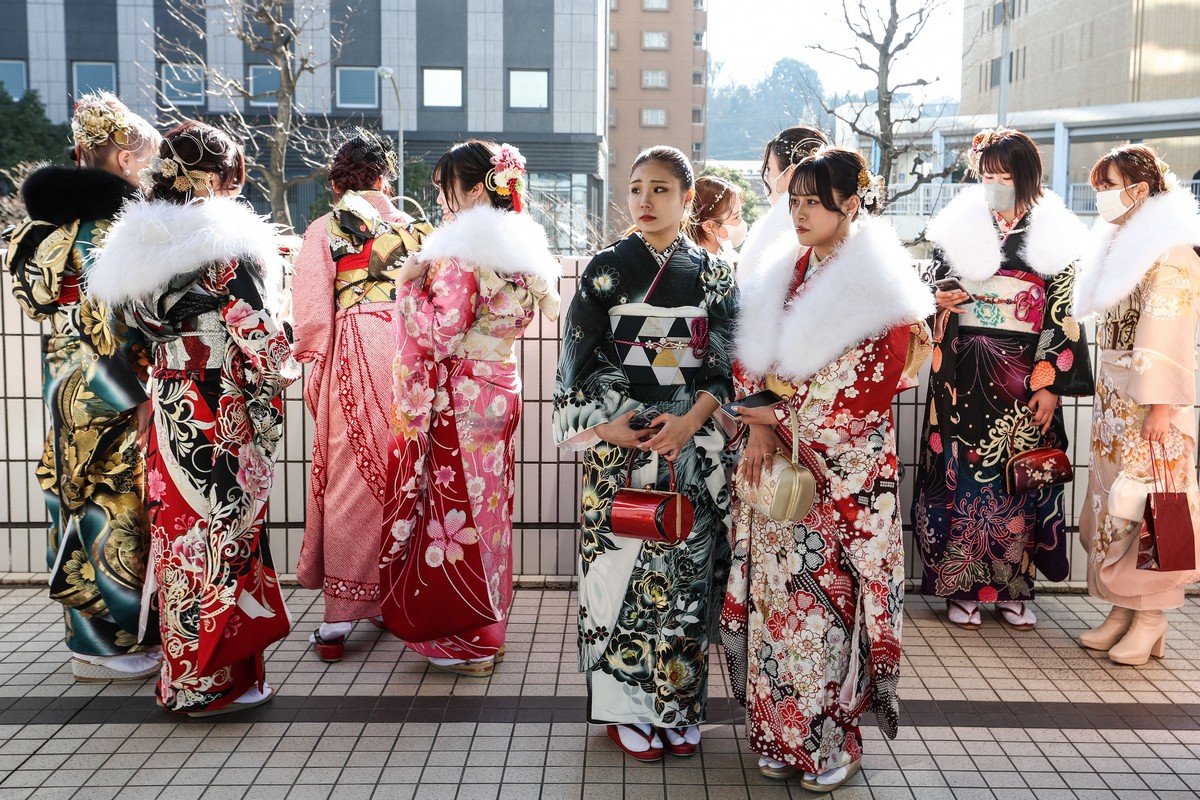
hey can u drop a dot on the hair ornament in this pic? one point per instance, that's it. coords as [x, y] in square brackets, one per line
[871, 188]
[95, 125]
[802, 149]
[173, 171]
[982, 141]
[507, 175]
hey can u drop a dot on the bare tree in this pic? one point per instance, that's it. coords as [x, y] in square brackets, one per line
[294, 37]
[884, 32]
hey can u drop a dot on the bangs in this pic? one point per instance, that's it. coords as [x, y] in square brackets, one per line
[996, 160]
[804, 179]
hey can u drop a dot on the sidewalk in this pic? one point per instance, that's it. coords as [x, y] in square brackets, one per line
[987, 714]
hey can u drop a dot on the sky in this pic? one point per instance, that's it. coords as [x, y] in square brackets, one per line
[747, 37]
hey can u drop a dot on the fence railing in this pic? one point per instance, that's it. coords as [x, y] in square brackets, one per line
[546, 510]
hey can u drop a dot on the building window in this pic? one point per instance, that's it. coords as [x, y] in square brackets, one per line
[654, 118]
[182, 84]
[612, 117]
[442, 88]
[698, 40]
[697, 116]
[656, 5]
[698, 78]
[700, 5]
[654, 79]
[94, 76]
[612, 5]
[357, 87]
[12, 78]
[612, 40]
[264, 80]
[612, 79]
[528, 88]
[697, 149]
[995, 77]
[654, 40]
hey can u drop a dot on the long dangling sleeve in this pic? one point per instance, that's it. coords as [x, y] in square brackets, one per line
[440, 309]
[1164, 350]
[715, 377]
[313, 308]
[1062, 363]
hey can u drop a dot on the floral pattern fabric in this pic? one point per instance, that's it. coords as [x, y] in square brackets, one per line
[977, 541]
[1147, 356]
[647, 611]
[456, 378]
[92, 471]
[221, 362]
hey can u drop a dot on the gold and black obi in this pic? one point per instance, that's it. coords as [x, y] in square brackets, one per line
[368, 251]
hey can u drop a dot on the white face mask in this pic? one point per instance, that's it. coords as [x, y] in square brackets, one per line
[999, 196]
[1110, 206]
[736, 233]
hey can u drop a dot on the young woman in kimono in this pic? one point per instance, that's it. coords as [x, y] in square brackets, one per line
[1006, 349]
[649, 329]
[781, 155]
[717, 223]
[812, 616]
[343, 301]
[199, 273]
[1140, 276]
[92, 471]
[461, 305]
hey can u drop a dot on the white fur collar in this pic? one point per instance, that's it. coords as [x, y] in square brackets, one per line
[1119, 256]
[153, 242]
[502, 241]
[763, 237]
[1055, 237]
[868, 287]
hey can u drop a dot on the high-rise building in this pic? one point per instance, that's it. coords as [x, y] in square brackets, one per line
[529, 72]
[657, 83]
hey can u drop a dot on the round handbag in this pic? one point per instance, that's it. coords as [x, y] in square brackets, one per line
[787, 488]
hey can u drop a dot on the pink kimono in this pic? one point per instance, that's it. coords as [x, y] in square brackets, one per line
[343, 311]
[454, 423]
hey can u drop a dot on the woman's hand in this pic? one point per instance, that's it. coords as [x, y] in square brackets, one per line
[759, 415]
[670, 434]
[761, 445]
[950, 301]
[145, 412]
[412, 269]
[619, 433]
[1157, 423]
[1042, 404]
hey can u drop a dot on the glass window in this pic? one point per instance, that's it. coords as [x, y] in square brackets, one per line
[94, 76]
[182, 84]
[264, 78]
[12, 78]
[612, 117]
[442, 88]
[528, 88]
[698, 78]
[357, 87]
[612, 79]
[612, 40]
[654, 79]
[697, 116]
[654, 117]
[698, 39]
[656, 5]
[654, 40]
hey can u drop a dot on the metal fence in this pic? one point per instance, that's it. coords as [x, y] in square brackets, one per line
[548, 488]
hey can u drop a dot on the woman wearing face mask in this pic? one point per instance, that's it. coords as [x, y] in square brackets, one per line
[1141, 276]
[717, 221]
[649, 330]
[93, 466]
[1006, 349]
[198, 272]
[461, 305]
[812, 618]
[782, 153]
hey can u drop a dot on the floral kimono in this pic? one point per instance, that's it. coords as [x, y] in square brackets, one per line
[457, 385]
[93, 469]
[200, 280]
[1142, 280]
[647, 611]
[813, 612]
[343, 301]
[979, 542]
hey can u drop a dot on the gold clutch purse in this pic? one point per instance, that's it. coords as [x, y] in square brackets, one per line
[787, 489]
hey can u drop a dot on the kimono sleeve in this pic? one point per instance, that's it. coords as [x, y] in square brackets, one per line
[590, 387]
[313, 308]
[255, 332]
[37, 258]
[440, 309]
[716, 375]
[1164, 350]
[1062, 363]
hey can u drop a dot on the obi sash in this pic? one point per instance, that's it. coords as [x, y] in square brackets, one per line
[659, 346]
[1010, 300]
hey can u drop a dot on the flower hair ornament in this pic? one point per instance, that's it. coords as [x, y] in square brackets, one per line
[871, 189]
[174, 171]
[95, 125]
[507, 175]
[982, 141]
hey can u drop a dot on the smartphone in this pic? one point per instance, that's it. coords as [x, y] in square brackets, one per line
[763, 398]
[953, 285]
[642, 419]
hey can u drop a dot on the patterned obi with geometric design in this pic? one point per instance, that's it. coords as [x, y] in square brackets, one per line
[660, 346]
[358, 281]
[1010, 300]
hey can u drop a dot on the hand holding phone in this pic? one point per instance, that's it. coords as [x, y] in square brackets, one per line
[642, 419]
[953, 285]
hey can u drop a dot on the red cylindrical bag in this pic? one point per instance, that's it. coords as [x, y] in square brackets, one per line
[649, 514]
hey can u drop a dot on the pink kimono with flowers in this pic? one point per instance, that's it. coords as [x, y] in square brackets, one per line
[490, 273]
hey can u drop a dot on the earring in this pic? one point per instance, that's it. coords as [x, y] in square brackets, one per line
[127, 173]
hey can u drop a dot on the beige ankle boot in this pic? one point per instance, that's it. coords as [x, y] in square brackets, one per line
[1146, 637]
[1109, 632]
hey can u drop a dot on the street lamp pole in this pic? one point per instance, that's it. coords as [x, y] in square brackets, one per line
[390, 74]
